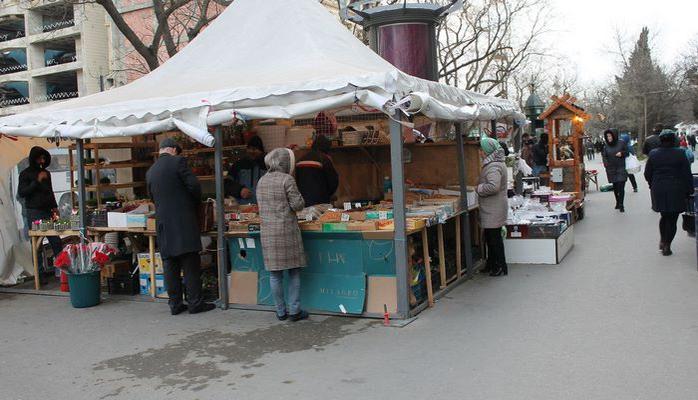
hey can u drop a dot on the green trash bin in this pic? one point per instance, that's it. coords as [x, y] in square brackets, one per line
[84, 289]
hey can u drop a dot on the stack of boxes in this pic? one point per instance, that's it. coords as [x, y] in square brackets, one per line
[145, 268]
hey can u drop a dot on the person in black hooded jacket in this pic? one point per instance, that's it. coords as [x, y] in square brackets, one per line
[36, 190]
[316, 176]
[614, 154]
[668, 173]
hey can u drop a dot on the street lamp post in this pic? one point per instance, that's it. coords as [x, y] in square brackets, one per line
[644, 99]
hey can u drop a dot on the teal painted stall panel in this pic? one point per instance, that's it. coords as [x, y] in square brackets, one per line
[378, 257]
[337, 293]
[245, 254]
[338, 264]
[334, 256]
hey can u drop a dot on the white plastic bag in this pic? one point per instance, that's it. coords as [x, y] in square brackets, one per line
[525, 168]
[632, 164]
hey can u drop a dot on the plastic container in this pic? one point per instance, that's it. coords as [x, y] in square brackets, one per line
[84, 289]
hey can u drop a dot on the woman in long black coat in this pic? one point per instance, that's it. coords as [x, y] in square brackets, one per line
[614, 153]
[669, 176]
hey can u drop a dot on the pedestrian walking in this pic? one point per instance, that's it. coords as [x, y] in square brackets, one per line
[492, 192]
[36, 190]
[652, 141]
[630, 151]
[177, 193]
[614, 154]
[282, 246]
[668, 173]
[692, 141]
[590, 149]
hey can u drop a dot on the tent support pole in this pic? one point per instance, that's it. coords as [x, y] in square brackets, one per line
[220, 219]
[518, 145]
[400, 239]
[462, 180]
[81, 188]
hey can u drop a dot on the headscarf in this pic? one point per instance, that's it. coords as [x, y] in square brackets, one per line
[325, 123]
[489, 145]
[281, 160]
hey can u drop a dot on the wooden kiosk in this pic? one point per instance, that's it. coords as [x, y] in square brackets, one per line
[564, 121]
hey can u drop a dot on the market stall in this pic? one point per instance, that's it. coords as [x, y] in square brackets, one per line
[540, 224]
[303, 62]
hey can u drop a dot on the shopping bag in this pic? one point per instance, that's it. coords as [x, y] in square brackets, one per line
[632, 164]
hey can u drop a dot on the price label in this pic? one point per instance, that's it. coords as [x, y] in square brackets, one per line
[357, 205]
[347, 206]
[345, 217]
[382, 215]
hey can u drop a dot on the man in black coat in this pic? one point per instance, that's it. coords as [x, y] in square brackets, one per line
[177, 194]
[315, 174]
[668, 173]
[652, 141]
[36, 190]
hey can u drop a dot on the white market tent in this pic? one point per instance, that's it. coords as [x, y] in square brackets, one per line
[266, 59]
[261, 59]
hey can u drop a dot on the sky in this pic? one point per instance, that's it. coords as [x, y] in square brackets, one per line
[584, 31]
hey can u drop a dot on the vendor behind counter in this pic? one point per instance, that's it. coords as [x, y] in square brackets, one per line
[315, 174]
[244, 175]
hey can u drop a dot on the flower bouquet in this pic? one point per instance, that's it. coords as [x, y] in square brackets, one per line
[82, 263]
[84, 258]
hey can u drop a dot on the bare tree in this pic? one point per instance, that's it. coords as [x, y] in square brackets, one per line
[173, 24]
[481, 46]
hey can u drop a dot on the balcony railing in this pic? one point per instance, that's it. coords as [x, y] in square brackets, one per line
[13, 102]
[12, 69]
[54, 26]
[65, 59]
[57, 96]
[11, 36]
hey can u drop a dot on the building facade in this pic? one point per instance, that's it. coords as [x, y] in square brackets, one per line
[50, 51]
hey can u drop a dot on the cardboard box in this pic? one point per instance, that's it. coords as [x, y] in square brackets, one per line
[151, 224]
[371, 215]
[335, 227]
[382, 290]
[415, 223]
[243, 287]
[357, 215]
[145, 285]
[310, 226]
[144, 264]
[362, 226]
[126, 220]
[386, 225]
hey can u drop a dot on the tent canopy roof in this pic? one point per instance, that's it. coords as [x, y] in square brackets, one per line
[259, 59]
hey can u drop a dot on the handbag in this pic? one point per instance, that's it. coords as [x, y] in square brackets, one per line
[632, 164]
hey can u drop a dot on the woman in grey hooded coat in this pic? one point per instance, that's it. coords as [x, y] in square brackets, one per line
[282, 245]
[494, 206]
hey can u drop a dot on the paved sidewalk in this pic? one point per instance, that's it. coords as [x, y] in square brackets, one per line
[615, 321]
